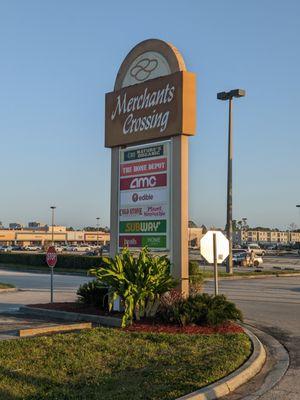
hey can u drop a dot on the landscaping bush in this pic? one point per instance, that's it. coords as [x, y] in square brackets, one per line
[72, 261]
[93, 293]
[195, 277]
[200, 309]
[138, 281]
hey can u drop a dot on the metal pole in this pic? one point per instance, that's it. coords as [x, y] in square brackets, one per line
[229, 267]
[51, 284]
[52, 235]
[215, 265]
[51, 268]
[97, 231]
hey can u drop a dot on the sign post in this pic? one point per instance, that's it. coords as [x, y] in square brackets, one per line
[51, 259]
[215, 265]
[214, 247]
[148, 118]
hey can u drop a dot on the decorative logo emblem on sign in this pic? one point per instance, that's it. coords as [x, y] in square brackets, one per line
[143, 68]
[135, 197]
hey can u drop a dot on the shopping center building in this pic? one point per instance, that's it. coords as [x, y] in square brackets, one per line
[43, 236]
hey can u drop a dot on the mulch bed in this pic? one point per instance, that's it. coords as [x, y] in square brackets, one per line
[145, 325]
[150, 326]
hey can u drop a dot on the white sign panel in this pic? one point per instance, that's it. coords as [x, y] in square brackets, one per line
[207, 249]
[141, 197]
[153, 212]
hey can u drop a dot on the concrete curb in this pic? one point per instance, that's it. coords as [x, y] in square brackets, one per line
[276, 366]
[54, 329]
[71, 316]
[228, 384]
[8, 290]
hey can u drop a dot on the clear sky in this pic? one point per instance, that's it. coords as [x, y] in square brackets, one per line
[59, 57]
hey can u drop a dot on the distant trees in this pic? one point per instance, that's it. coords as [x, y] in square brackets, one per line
[292, 227]
[192, 224]
[238, 225]
[93, 229]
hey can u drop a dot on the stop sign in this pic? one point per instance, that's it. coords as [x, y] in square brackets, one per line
[51, 257]
[207, 249]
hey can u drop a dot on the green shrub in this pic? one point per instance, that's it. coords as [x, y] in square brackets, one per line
[200, 309]
[195, 277]
[72, 261]
[138, 281]
[93, 293]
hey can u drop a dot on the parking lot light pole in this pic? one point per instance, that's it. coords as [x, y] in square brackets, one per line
[298, 206]
[52, 224]
[98, 218]
[52, 239]
[229, 96]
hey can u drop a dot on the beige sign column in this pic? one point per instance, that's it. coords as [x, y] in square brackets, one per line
[180, 203]
[114, 209]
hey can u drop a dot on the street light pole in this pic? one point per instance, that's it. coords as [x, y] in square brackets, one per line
[229, 190]
[52, 239]
[52, 225]
[98, 218]
[229, 96]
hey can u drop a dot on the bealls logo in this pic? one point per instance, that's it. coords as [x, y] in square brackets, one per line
[144, 197]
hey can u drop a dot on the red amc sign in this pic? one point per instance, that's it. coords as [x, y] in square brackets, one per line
[143, 182]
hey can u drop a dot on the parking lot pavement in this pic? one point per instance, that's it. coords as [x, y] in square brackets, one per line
[35, 288]
[11, 324]
[273, 305]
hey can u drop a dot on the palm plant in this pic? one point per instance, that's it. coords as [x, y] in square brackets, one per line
[138, 281]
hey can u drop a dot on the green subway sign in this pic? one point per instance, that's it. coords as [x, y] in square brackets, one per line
[152, 226]
[155, 242]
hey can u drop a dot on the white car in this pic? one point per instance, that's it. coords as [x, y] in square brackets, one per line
[257, 250]
[33, 248]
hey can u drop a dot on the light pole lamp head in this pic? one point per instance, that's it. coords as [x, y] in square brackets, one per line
[53, 207]
[232, 93]
[298, 205]
[222, 96]
[238, 93]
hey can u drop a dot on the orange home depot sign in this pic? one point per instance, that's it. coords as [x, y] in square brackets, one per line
[156, 109]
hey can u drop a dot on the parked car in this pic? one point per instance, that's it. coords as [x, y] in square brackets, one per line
[258, 251]
[17, 248]
[243, 258]
[32, 248]
[5, 249]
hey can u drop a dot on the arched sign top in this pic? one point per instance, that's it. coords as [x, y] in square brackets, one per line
[149, 59]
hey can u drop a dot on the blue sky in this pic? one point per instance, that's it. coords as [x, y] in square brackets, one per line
[58, 58]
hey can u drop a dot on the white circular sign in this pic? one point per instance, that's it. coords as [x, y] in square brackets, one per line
[207, 249]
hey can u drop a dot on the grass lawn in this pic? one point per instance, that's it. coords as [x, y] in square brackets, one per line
[6, 286]
[116, 365]
[43, 269]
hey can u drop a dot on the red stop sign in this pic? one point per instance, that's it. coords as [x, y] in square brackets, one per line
[51, 257]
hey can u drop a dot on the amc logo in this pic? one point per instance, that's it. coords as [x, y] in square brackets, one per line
[143, 182]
